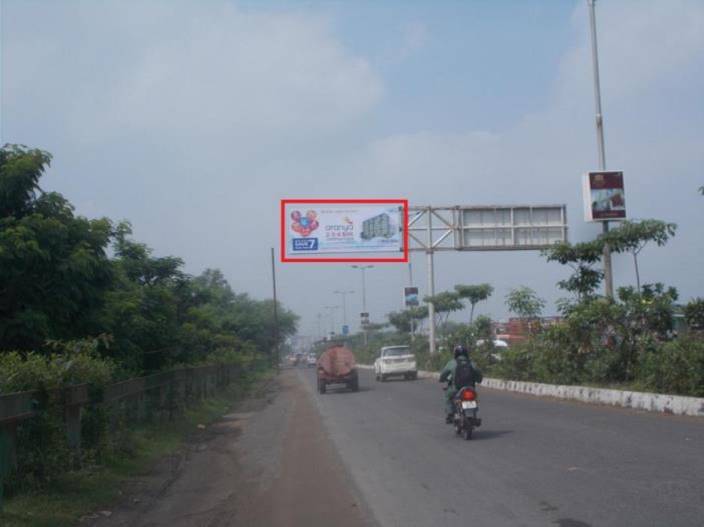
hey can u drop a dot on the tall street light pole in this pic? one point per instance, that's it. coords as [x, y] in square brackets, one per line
[331, 313]
[344, 294]
[608, 273]
[363, 268]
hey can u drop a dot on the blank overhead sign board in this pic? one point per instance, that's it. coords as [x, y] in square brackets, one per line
[487, 228]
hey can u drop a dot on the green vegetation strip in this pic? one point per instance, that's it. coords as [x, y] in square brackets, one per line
[80, 493]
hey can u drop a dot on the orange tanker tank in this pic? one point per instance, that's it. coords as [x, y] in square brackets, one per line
[337, 365]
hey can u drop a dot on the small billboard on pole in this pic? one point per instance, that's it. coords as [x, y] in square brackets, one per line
[604, 196]
[410, 296]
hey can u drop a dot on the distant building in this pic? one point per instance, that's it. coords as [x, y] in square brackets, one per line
[519, 329]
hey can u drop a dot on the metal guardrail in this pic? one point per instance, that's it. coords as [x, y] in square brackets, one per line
[169, 393]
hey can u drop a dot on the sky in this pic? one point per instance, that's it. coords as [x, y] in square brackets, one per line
[193, 119]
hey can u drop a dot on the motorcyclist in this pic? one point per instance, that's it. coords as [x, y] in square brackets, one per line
[448, 374]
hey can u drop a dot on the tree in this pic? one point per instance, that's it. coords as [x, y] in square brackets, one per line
[581, 257]
[475, 294]
[525, 302]
[694, 313]
[54, 270]
[633, 236]
[444, 303]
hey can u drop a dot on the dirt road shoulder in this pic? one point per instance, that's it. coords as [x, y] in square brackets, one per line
[268, 463]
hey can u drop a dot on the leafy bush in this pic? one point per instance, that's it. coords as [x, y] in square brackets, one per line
[74, 362]
[676, 367]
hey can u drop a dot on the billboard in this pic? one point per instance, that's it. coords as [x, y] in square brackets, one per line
[604, 196]
[313, 229]
[410, 296]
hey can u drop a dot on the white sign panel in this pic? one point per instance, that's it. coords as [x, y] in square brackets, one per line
[342, 228]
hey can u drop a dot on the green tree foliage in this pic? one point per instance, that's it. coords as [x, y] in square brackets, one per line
[445, 304]
[629, 236]
[634, 236]
[401, 320]
[524, 302]
[54, 270]
[581, 257]
[474, 294]
[694, 313]
[57, 283]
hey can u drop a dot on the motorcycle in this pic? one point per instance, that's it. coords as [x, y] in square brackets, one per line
[464, 419]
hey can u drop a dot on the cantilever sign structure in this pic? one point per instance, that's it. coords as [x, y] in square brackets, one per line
[486, 228]
[482, 228]
[310, 228]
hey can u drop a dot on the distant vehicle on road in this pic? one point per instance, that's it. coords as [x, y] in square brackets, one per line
[395, 360]
[337, 365]
[311, 360]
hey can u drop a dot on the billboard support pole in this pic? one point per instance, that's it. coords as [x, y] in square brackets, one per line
[431, 283]
[608, 273]
[410, 284]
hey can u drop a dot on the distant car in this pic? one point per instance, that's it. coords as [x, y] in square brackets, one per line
[311, 360]
[395, 360]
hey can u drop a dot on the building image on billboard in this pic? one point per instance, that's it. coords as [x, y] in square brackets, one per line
[379, 226]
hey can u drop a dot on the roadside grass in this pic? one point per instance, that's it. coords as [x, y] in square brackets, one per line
[77, 494]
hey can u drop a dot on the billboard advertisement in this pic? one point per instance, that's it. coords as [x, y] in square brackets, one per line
[604, 196]
[410, 296]
[314, 229]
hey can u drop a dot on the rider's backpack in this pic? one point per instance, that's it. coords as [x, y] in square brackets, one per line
[464, 375]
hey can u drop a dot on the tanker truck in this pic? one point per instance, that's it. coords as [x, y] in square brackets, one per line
[336, 365]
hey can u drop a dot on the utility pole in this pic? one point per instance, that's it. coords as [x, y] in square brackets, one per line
[410, 284]
[344, 294]
[276, 312]
[364, 295]
[608, 273]
[331, 314]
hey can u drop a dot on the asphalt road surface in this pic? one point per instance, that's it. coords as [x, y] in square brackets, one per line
[290, 457]
[533, 462]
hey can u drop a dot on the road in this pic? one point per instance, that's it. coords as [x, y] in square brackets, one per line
[534, 461]
[383, 457]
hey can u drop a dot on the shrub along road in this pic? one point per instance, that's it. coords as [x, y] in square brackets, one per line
[383, 456]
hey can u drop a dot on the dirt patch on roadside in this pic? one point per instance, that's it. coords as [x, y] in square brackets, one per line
[268, 463]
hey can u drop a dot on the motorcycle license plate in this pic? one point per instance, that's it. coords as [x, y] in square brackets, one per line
[469, 404]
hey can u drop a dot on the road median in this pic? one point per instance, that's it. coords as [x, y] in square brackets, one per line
[651, 402]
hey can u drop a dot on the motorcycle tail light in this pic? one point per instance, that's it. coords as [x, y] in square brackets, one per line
[469, 395]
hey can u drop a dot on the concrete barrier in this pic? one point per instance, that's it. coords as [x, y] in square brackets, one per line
[651, 402]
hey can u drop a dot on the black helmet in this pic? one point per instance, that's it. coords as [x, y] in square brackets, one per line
[461, 350]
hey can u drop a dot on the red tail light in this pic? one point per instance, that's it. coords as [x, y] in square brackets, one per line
[469, 395]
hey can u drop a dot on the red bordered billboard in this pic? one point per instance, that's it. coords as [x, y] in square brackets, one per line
[344, 230]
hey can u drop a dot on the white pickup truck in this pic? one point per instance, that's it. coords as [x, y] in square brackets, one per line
[395, 360]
